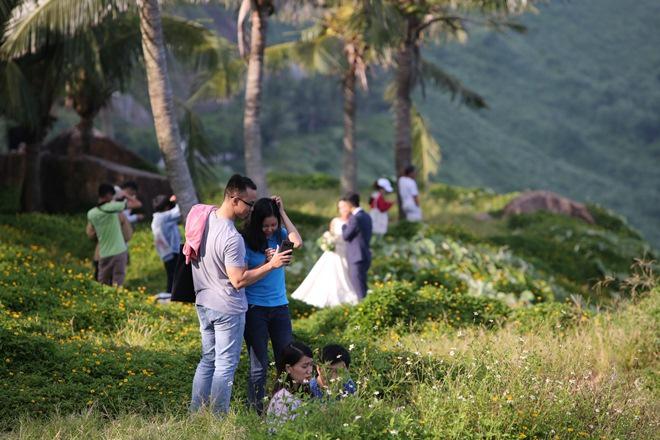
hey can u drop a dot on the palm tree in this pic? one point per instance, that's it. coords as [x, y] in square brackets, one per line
[29, 86]
[435, 19]
[162, 105]
[68, 18]
[259, 11]
[337, 45]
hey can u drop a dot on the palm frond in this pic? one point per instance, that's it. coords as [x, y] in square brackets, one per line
[221, 83]
[199, 152]
[19, 102]
[322, 55]
[425, 150]
[191, 42]
[33, 23]
[451, 84]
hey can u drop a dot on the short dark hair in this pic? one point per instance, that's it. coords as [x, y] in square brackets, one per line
[105, 189]
[352, 198]
[335, 353]
[161, 203]
[238, 184]
[407, 171]
[129, 184]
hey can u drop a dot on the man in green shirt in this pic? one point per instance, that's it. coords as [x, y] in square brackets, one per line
[105, 221]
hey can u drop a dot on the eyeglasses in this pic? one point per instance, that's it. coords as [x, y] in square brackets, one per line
[250, 204]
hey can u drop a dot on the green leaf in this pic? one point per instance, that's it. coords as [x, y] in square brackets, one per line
[425, 150]
[451, 84]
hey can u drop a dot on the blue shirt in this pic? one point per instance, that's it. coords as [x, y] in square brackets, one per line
[270, 291]
[348, 388]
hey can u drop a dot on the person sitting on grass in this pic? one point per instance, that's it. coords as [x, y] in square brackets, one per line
[294, 371]
[332, 369]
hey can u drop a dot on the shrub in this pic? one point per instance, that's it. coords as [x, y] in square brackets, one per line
[611, 221]
[385, 306]
[385, 269]
[440, 276]
[578, 252]
[404, 230]
[404, 304]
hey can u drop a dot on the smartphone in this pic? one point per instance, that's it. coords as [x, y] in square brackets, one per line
[286, 245]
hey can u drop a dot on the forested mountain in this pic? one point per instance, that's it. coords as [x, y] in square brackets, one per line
[574, 107]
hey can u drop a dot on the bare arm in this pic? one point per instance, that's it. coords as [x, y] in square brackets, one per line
[90, 231]
[240, 277]
[294, 235]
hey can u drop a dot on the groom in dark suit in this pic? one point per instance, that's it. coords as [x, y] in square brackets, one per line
[357, 234]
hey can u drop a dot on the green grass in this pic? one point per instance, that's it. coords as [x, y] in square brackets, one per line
[433, 357]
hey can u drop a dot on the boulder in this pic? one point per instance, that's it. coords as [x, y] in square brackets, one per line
[532, 201]
[71, 184]
[101, 146]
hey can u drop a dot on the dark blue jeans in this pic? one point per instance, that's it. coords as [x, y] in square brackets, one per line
[262, 323]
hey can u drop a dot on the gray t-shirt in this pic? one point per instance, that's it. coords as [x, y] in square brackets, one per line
[222, 246]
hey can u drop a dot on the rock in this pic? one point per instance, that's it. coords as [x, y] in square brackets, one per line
[70, 179]
[532, 201]
[101, 146]
[70, 185]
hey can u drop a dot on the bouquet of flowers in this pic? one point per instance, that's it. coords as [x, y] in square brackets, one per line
[326, 242]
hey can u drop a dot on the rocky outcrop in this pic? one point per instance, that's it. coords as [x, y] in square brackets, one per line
[101, 146]
[71, 184]
[532, 201]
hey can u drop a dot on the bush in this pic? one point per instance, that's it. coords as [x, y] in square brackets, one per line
[404, 230]
[612, 222]
[440, 277]
[385, 269]
[404, 304]
[386, 305]
[579, 253]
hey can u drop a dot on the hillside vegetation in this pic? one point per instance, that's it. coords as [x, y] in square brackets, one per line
[461, 336]
[573, 107]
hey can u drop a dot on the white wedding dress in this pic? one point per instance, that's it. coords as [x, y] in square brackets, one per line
[327, 284]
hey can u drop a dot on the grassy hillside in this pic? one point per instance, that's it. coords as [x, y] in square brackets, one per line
[459, 338]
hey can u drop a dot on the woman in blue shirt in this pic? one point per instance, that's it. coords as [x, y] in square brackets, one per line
[268, 311]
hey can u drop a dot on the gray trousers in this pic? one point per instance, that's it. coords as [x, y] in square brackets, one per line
[112, 270]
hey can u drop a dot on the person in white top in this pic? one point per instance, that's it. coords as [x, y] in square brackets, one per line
[409, 195]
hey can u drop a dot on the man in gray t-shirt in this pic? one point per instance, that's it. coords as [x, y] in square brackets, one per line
[222, 247]
[220, 275]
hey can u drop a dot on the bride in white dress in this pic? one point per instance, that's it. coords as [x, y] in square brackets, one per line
[327, 284]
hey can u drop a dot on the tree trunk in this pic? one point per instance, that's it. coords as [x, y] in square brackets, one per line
[86, 132]
[349, 156]
[31, 194]
[162, 105]
[254, 167]
[402, 107]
